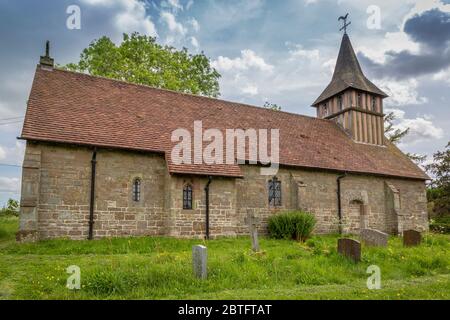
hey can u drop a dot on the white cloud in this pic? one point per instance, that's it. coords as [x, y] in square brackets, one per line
[10, 185]
[250, 89]
[194, 24]
[129, 16]
[175, 4]
[401, 92]
[189, 4]
[392, 41]
[174, 26]
[13, 155]
[299, 52]
[2, 153]
[248, 60]
[328, 66]
[443, 75]
[421, 128]
[194, 42]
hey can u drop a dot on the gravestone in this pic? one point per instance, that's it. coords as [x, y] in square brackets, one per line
[374, 238]
[253, 222]
[350, 248]
[411, 238]
[199, 261]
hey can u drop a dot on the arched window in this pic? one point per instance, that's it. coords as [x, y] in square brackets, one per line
[275, 192]
[187, 197]
[137, 190]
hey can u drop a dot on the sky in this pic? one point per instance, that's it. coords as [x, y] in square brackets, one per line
[282, 52]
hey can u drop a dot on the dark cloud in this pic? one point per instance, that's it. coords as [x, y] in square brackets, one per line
[431, 30]
[404, 64]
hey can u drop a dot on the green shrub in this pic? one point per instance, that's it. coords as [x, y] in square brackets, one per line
[440, 225]
[292, 225]
[11, 209]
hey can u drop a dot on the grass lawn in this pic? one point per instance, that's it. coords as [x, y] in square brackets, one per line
[160, 268]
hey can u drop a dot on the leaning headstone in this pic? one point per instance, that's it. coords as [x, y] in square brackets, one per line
[350, 248]
[199, 261]
[374, 238]
[411, 238]
[253, 222]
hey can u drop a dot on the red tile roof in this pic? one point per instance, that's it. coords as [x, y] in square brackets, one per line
[76, 108]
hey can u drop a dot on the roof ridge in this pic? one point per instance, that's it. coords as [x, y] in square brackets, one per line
[228, 102]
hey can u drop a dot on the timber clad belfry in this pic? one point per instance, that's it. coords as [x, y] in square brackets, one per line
[98, 161]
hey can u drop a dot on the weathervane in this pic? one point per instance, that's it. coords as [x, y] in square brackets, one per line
[345, 23]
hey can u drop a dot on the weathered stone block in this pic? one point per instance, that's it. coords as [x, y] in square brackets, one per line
[374, 238]
[350, 248]
[411, 238]
[199, 261]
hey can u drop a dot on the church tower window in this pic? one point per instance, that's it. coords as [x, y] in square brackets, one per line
[325, 110]
[340, 102]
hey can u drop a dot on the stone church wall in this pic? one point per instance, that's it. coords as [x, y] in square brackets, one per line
[56, 193]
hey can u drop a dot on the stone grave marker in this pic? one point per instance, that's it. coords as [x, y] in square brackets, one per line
[253, 222]
[374, 238]
[411, 238]
[350, 248]
[199, 261]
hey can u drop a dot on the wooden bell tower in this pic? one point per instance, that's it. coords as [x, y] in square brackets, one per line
[351, 100]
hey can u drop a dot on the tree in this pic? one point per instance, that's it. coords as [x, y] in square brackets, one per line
[439, 191]
[139, 59]
[11, 208]
[394, 135]
[272, 106]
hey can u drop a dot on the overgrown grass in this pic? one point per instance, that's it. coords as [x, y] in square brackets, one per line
[160, 268]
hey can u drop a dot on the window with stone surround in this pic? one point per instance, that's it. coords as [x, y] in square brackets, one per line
[187, 197]
[137, 190]
[274, 192]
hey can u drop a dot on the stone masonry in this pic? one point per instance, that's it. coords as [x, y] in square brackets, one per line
[56, 191]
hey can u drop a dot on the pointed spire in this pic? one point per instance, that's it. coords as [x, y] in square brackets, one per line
[348, 74]
[46, 61]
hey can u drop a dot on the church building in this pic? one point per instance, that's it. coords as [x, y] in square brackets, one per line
[98, 162]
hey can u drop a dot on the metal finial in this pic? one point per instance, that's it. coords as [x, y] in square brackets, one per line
[47, 49]
[344, 18]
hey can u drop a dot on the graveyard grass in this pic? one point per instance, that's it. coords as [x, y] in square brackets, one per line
[160, 268]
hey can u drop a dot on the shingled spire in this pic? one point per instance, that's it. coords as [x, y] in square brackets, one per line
[348, 74]
[352, 100]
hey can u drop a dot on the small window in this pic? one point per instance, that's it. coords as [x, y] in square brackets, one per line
[359, 100]
[187, 197]
[275, 192]
[137, 190]
[374, 103]
[340, 102]
[325, 110]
